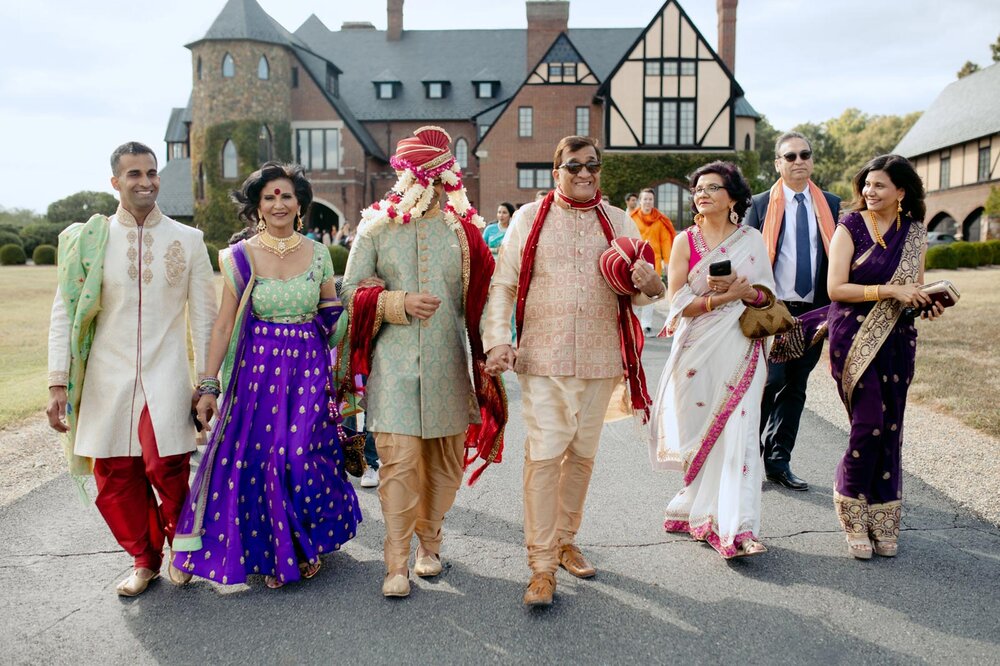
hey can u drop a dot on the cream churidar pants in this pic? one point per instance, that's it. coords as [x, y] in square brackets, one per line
[418, 480]
[564, 417]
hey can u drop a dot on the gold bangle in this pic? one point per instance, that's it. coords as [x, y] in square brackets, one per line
[877, 296]
[871, 292]
[708, 304]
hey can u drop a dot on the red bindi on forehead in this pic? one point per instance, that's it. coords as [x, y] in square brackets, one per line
[277, 190]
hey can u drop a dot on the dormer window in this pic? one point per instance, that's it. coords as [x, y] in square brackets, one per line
[332, 80]
[485, 89]
[385, 89]
[436, 89]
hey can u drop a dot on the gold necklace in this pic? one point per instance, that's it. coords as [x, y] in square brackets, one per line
[279, 246]
[878, 234]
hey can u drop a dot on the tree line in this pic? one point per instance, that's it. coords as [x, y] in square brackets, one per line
[24, 227]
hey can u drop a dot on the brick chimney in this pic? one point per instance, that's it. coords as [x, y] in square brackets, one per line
[727, 32]
[546, 19]
[394, 8]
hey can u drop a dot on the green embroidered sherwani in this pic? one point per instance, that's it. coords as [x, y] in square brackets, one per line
[419, 383]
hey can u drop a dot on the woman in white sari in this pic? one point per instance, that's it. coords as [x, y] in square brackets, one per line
[705, 420]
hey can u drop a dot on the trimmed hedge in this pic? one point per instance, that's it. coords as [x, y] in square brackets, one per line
[994, 246]
[985, 253]
[44, 255]
[12, 255]
[941, 256]
[10, 238]
[213, 256]
[966, 254]
[338, 255]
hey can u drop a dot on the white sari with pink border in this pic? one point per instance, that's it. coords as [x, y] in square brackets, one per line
[706, 414]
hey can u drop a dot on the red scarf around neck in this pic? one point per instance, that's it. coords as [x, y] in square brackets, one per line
[629, 329]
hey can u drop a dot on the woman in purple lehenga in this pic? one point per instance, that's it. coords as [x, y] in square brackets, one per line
[270, 495]
[876, 269]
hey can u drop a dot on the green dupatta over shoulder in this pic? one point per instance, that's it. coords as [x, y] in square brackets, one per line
[81, 272]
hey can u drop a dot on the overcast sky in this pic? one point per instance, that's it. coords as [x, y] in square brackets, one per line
[78, 78]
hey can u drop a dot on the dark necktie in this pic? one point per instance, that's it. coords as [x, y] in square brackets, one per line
[803, 263]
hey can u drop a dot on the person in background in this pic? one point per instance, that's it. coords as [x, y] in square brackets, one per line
[494, 233]
[797, 220]
[631, 202]
[657, 230]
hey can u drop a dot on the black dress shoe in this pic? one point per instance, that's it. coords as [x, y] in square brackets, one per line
[787, 479]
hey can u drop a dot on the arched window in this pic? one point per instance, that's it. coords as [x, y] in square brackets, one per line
[230, 165]
[198, 67]
[462, 153]
[746, 143]
[263, 69]
[264, 151]
[228, 66]
[674, 201]
[201, 182]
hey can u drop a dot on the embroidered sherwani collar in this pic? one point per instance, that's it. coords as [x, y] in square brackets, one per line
[126, 219]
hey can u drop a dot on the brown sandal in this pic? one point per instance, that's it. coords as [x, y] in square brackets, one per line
[272, 582]
[309, 569]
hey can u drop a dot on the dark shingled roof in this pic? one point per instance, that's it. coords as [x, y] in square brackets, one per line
[177, 126]
[362, 53]
[176, 198]
[245, 19]
[743, 108]
[967, 109]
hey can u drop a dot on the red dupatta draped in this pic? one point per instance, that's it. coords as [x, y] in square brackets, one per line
[482, 440]
[629, 330]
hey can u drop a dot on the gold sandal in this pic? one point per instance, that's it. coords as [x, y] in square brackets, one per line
[309, 569]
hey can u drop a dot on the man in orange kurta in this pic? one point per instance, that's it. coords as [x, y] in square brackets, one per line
[657, 230]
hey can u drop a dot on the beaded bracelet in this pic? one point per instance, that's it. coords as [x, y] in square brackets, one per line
[210, 386]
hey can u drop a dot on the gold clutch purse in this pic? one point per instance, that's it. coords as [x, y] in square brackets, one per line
[766, 320]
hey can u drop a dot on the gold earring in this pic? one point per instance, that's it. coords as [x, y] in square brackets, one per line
[298, 222]
[261, 224]
[698, 219]
[733, 217]
[899, 214]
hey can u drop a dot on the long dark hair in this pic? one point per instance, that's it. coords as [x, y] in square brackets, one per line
[732, 181]
[248, 196]
[903, 175]
[509, 206]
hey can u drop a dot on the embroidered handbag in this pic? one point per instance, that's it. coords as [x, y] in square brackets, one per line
[353, 446]
[617, 261]
[766, 320]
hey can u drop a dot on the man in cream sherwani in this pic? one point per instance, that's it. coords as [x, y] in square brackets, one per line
[569, 356]
[119, 384]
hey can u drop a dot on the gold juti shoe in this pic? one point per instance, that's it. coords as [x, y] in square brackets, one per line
[137, 582]
[396, 585]
[427, 566]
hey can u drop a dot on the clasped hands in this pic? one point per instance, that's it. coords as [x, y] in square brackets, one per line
[417, 305]
[732, 287]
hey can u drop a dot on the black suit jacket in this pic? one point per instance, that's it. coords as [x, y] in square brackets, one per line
[755, 218]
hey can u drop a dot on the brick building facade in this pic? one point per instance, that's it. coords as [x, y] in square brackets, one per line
[343, 98]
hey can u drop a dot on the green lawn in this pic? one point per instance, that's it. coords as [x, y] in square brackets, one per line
[26, 293]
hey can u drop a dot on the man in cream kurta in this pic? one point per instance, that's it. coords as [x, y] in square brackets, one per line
[135, 403]
[568, 357]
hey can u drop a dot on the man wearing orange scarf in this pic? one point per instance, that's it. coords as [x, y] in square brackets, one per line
[657, 230]
[797, 220]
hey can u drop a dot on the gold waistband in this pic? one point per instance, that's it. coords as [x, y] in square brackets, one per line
[289, 319]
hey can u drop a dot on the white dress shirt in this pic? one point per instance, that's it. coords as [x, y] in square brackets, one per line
[785, 262]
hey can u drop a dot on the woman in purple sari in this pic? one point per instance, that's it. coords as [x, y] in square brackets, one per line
[270, 495]
[876, 269]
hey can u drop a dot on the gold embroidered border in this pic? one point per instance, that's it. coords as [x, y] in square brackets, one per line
[883, 316]
[391, 308]
[463, 242]
[883, 521]
[58, 378]
[864, 257]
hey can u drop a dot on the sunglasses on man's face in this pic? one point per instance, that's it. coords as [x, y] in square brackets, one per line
[576, 167]
[804, 155]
